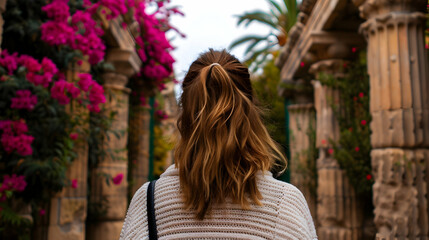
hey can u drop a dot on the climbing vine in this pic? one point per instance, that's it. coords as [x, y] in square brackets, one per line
[352, 151]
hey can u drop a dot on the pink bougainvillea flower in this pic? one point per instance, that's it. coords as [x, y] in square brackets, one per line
[96, 97]
[354, 49]
[30, 63]
[118, 178]
[13, 183]
[57, 33]
[57, 10]
[10, 62]
[361, 94]
[323, 141]
[161, 114]
[58, 92]
[363, 122]
[74, 136]
[85, 81]
[48, 66]
[357, 149]
[42, 212]
[61, 88]
[368, 177]
[116, 7]
[330, 151]
[302, 64]
[23, 144]
[74, 183]
[24, 100]
[43, 80]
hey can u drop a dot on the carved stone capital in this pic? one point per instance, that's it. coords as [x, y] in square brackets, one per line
[334, 67]
[393, 19]
[372, 8]
[126, 62]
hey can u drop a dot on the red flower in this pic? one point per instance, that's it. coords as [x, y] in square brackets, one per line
[354, 49]
[74, 183]
[302, 64]
[368, 177]
[330, 151]
[74, 136]
[118, 179]
[363, 122]
[357, 149]
[361, 94]
[323, 141]
[42, 212]
[355, 99]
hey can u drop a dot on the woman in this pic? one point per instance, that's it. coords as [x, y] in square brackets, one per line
[220, 186]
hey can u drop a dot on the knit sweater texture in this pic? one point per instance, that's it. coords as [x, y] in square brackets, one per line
[284, 214]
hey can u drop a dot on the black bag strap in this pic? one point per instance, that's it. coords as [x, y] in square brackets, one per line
[153, 234]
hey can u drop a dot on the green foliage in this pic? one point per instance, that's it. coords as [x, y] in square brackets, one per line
[353, 149]
[280, 19]
[12, 225]
[265, 87]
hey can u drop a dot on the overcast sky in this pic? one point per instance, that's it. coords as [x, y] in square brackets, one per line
[211, 24]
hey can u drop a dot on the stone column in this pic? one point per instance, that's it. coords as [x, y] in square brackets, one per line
[138, 142]
[67, 213]
[302, 132]
[399, 94]
[2, 9]
[338, 216]
[111, 198]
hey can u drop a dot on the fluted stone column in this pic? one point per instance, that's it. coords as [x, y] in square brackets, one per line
[67, 213]
[338, 215]
[302, 127]
[138, 142]
[399, 106]
[112, 196]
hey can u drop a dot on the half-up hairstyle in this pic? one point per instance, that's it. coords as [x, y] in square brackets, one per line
[223, 142]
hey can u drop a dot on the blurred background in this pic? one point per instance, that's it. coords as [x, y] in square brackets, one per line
[89, 95]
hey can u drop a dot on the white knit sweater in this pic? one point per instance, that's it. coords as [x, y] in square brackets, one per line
[283, 215]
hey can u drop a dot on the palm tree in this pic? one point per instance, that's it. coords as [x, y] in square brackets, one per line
[279, 19]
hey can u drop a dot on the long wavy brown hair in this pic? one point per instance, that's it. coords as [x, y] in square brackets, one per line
[223, 142]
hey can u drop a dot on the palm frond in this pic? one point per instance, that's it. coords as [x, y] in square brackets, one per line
[246, 38]
[256, 54]
[279, 9]
[255, 43]
[258, 16]
[292, 12]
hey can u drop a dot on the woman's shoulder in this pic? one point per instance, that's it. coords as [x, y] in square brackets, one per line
[268, 181]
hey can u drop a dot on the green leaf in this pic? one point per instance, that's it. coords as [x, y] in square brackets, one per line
[246, 38]
[258, 16]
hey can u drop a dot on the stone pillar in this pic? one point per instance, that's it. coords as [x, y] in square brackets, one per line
[67, 213]
[111, 197]
[2, 9]
[338, 215]
[399, 95]
[138, 141]
[302, 132]
[169, 125]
